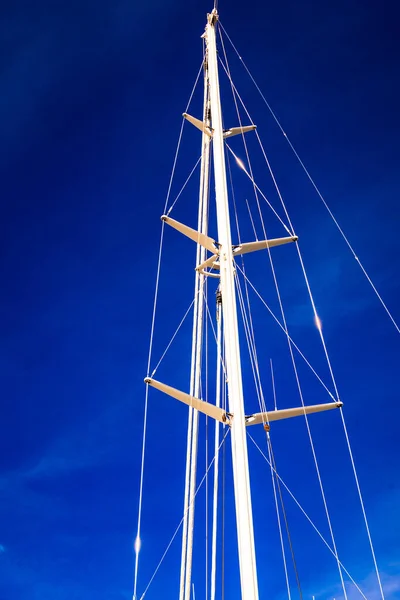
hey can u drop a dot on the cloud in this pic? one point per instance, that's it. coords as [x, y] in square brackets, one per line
[370, 587]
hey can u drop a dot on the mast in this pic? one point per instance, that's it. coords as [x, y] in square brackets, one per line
[222, 259]
[244, 514]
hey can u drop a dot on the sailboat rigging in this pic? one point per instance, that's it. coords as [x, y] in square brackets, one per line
[217, 263]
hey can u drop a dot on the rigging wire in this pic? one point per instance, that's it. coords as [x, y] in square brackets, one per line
[278, 517]
[247, 319]
[137, 543]
[278, 485]
[345, 431]
[283, 329]
[256, 374]
[184, 185]
[252, 222]
[322, 338]
[346, 436]
[216, 463]
[224, 403]
[253, 352]
[250, 174]
[362, 505]
[181, 521]
[250, 337]
[250, 342]
[313, 183]
[197, 340]
[275, 484]
[173, 337]
[318, 322]
[273, 384]
[146, 402]
[221, 357]
[307, 517]
[180, 136]
[205, 292]
[240, 163]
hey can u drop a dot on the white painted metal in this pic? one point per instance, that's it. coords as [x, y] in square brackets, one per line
[244, 516]
[211, 262]
[288, 413]
[207, 408]
[237, 130]
[196, 236]
[197, 123]
[262, 245]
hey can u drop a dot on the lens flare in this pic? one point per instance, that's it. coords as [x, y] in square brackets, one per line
[240, 163]
[137, 545]
[318, 323]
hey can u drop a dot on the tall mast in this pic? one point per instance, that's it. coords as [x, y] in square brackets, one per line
[244, 514]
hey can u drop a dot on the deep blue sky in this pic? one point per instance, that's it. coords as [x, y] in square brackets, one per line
[91, 97]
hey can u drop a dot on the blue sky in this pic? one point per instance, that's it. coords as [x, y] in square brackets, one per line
[90, 112]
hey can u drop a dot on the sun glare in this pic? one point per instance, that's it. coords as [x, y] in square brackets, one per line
[137, 545]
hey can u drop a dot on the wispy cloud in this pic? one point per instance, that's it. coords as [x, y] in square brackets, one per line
[370, 588]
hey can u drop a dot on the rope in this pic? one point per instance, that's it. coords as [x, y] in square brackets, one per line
[181, 521]
[314, 185]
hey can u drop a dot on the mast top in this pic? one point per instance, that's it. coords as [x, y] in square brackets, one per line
[213, 15]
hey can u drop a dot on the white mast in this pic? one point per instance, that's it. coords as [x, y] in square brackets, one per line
[222, 258]
[244, 515]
